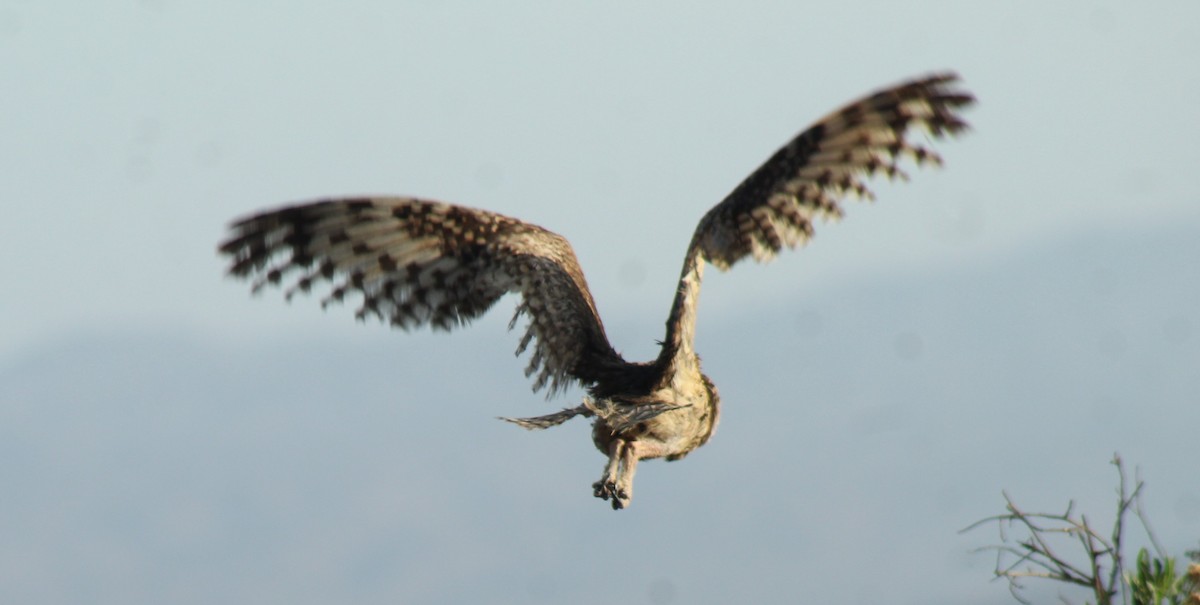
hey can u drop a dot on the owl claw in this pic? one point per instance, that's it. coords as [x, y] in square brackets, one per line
[606, 489]
[601, 489]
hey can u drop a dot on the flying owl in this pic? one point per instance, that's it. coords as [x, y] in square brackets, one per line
[415, 262]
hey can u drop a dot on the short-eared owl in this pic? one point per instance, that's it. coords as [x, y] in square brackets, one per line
[416, 262]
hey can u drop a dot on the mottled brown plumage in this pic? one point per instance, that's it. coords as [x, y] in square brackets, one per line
[417, 262]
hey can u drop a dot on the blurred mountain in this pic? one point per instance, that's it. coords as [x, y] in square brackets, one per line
[861, 428]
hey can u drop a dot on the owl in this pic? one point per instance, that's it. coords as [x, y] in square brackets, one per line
[413, 262]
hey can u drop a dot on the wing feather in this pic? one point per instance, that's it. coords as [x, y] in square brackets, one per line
[776, 206]
[807, 178]
[417, 262]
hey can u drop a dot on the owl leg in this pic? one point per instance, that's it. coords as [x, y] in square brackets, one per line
[623, 457]
[606, 487]
[629, 460]
[630, 455]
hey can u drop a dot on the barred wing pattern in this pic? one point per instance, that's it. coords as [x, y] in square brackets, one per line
[420, 263]
[417, 262]
[776, 205]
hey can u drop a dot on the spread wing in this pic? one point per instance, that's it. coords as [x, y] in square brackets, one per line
[418, 262]
[808, 178]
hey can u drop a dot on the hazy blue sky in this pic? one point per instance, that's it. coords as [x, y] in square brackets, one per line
[1007, 322]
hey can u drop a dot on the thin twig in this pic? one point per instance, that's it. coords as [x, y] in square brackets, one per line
[1141, 513]
[1034, 556]
[1119, 525]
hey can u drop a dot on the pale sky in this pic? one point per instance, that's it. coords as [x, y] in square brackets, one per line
[133, 132]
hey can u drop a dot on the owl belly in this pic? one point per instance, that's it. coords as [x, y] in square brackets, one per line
[670, 434]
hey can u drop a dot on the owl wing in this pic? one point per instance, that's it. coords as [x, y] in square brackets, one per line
[807, 178]
[775, 206]
[418, 262]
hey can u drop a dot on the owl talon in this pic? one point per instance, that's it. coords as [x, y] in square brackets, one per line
[619, 501]
[606, 489]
